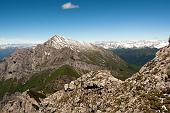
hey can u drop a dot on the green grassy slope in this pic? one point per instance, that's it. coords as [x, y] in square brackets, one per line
[116, 65]
[44, 81]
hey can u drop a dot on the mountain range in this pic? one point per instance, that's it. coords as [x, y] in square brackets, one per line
[105, 44]
[48, 66]
[132, 44]
[136, 53]
[13, 45]
[56, 52]
[98, 91]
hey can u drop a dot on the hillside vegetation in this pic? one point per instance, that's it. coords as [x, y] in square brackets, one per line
[44, 81]
[136, 56]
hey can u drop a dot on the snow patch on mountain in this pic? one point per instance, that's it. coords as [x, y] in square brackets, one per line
[59, 42]
[132, 44]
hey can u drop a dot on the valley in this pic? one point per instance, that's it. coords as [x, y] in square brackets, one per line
[136, 56]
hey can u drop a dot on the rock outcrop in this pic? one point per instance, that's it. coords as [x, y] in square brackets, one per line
[22, 103]
[148, 90]
[90, 93]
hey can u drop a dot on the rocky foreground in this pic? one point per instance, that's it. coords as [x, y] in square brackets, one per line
[147, 91]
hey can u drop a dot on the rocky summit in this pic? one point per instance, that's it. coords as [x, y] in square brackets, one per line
[147, 91]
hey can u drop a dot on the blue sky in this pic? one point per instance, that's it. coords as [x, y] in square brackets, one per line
[84, 20]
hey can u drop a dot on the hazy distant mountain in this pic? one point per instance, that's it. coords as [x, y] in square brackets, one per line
[6, 49]
[6, 52]
[13, 45]
[132, 44]
[136, 53]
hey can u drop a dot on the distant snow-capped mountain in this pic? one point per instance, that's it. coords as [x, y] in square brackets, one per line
[59, 42]
[9, 45]
[132, 44]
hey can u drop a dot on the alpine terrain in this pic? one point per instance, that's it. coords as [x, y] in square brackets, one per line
[132, 44]
[6, 49]
[48, 66]
[147, 91]
[136, 53]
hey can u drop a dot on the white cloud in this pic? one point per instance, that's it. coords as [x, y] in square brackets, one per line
[69, 5]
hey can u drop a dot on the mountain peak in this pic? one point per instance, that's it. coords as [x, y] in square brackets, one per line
[60, 42]
[57, 38]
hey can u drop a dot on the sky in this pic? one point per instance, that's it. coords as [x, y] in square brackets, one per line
[84, 20]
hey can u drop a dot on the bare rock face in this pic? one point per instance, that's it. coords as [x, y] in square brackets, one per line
[90, 93]
[17, 64]
[21, 104]
[3, 66]
[147, 91]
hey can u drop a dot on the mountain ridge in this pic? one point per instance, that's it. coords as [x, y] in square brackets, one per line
[147, 91]
[105, 44]
[55, 63]
[132, 44]
[51, 53]
[59, 42]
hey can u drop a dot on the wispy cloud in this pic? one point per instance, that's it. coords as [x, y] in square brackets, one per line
[69, 5]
